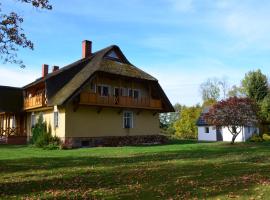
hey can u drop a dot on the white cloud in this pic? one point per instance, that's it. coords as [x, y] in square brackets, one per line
[17, 77]
[182, 5]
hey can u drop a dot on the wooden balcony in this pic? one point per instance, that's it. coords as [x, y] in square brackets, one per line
[36, 101]
[87, 98]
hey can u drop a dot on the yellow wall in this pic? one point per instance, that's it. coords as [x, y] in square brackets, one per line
[48, 116]
[87, 122]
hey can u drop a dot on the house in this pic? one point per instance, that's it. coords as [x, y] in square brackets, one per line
[98, 100]
[207, 132]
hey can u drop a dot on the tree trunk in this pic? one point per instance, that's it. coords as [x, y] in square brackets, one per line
[233, 138]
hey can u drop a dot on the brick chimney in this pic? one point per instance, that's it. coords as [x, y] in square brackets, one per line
[45, 70]
[86, 48]
[55, 68]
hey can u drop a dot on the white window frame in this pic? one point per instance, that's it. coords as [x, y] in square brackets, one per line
[207, 128]
[125, 117]
[102, 86]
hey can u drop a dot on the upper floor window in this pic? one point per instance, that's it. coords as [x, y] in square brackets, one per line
[134, 93]
[128, 119]
[103, 90]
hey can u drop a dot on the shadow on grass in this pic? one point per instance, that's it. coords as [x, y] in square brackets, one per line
[204, 173]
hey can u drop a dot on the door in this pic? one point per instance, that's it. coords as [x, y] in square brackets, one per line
[219, 134]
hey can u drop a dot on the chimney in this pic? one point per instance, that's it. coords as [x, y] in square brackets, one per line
[55, 68]
[45, 70]
[86, 48]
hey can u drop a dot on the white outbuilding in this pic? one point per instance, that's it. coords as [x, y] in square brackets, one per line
[208, 132]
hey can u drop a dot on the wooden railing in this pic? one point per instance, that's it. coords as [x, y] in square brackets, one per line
[17, 131]
[34, 102]
[87, 98]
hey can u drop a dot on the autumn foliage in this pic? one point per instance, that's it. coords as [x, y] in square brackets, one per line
[234, 113]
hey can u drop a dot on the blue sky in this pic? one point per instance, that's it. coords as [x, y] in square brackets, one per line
[180, 42]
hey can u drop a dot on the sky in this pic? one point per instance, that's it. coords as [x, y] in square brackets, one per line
[180, 42]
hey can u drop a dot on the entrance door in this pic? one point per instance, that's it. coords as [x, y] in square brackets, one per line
[219, 134]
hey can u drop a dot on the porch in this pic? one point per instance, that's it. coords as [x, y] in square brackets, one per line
[12, 128]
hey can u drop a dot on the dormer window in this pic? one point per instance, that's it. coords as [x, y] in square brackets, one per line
[112, 54]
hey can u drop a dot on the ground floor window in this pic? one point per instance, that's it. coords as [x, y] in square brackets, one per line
[128, 119]
[56, 119]
[33, 119]
[206, 129]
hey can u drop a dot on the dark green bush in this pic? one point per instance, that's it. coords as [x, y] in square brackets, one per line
[42, 137]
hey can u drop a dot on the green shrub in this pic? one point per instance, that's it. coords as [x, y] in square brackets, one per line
[255, 138]
[266, 137]
[41, 137]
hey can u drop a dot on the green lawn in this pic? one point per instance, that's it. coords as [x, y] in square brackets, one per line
[182, 170]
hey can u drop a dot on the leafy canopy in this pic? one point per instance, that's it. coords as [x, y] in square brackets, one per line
[12, 35]
[186, 127]
[234, 113]
[255, 85]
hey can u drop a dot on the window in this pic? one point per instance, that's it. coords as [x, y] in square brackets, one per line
[128, 120]
[103, 90]
[136, 94]
[93, 87]
[33, 119]
[206, 129]
[13, 121]
[124, 92]
[113, 54]
[130, 92]
[56, 119]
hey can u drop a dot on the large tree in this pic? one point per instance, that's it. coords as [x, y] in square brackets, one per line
[210, 90]
[255, 85]
[12, 35]
[234, 113]
[265, 108]
[185, 127]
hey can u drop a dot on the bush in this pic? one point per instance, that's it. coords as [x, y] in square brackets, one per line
[255, 138]
[42, 137]
[266, 137]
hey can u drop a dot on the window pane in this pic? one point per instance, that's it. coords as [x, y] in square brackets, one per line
[130, 93]
[136, 94]
[105, 91]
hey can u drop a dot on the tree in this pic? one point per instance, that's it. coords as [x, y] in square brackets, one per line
[234, 113]
[186, 127]
[265, 108]
[224, 87]
[167, 119]
[12, 35]
[255, 85]
[236, 91]
[210, 90]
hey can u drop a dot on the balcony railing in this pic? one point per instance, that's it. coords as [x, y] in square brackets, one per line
[87, 98]
[16, 131]
[34, 102]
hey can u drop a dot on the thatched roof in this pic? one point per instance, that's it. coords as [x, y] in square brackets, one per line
[64, 84]
[11, 99]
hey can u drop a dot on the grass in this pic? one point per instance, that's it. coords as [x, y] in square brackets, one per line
[181, 170]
